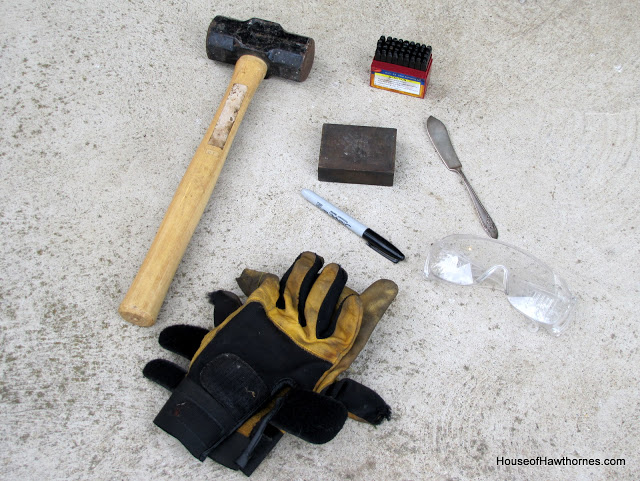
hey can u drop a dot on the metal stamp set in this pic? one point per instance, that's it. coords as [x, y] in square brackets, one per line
[401, 66]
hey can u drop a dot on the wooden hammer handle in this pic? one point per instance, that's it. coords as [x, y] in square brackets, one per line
[149, 288]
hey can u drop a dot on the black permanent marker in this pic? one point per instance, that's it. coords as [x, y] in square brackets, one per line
[375, 241]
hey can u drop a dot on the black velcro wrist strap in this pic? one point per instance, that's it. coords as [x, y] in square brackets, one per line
[195, 418]
[232, 448]
[210, 405]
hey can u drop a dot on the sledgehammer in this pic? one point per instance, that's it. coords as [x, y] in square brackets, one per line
[258, 49]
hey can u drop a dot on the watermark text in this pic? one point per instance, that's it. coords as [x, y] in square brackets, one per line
[563, 461]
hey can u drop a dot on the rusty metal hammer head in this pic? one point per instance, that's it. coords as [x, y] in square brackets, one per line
[287, 55]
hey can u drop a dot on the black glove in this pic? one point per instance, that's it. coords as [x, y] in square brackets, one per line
[204, 403]
[301, 413]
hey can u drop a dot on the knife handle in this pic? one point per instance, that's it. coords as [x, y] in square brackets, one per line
[485, 219]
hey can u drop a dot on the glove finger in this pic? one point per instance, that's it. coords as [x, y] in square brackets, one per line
[250, 280]
[320, 306]
[182, 339]
[225, 303]
[165, 373]
[297, 282]
[310, 416]
[186, 340]
[349, 319]
[363, 403]
[375, 301]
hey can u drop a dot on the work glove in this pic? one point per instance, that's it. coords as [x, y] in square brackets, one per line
[329, 340]
[313, 417]
[362, 403]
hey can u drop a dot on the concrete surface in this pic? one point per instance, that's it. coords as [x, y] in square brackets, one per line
[103, 104]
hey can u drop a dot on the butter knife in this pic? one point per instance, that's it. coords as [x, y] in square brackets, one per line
[440, 139]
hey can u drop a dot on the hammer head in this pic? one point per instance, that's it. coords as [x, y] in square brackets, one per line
[287, 55]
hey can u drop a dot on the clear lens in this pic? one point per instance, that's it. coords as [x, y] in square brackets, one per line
[530, 285]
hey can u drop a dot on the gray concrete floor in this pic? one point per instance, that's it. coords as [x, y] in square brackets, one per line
[103, 104]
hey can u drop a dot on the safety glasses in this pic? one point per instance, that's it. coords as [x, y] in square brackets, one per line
[530, 285]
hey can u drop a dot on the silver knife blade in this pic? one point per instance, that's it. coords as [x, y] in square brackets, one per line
[441, 141]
